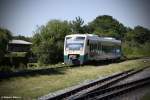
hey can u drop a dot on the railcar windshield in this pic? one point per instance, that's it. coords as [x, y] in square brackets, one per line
[75, 43]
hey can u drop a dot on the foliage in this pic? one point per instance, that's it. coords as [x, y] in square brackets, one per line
[137, 42]
[138, 34]
[16, 54]
[6, 69]
[107, 26]
[48, 41]
[5, 36]
[32, 65]
[134, 49]
[20, 37]
[77, 25]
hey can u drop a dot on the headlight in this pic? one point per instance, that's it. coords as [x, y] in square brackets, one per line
[67, 48]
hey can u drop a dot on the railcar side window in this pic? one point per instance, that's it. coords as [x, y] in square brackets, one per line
[80, 38]
[90, 47]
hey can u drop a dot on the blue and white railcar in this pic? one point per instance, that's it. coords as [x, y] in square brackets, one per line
[81, 48]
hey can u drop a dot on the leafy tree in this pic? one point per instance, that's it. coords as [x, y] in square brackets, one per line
[20, 37]
[137, 42]
[142, 35]
[139, 34]
[48, 41]
[107, 26]
[77, 25]
[5, 36]
[87, 29]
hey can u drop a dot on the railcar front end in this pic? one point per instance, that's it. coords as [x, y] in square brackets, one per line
[74, 49]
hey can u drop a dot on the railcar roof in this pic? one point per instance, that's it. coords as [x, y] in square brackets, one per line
[73, 35]
[96, 38]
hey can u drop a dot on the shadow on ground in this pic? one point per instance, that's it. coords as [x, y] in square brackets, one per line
[47, 71]
[103, 62]
[58, 70]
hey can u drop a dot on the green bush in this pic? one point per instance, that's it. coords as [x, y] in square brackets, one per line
[48, 41]
[6, 69]
[32, 65]
[132, 49]
[145, 49]
[16, 54]
[13, 68]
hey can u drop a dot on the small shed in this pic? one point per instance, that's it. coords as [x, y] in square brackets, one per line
[19, 46]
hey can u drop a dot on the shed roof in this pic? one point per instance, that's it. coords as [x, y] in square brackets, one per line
[19, 42]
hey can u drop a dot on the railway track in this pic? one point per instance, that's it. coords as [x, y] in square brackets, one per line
[107, 94]
[103, 89]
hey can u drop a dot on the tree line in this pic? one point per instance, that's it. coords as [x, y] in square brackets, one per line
[48, 40]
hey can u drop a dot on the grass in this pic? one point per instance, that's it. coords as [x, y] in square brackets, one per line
[35, 86]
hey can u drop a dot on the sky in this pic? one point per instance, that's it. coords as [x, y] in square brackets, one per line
[23, 16]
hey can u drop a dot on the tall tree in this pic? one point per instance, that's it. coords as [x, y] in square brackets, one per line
[77, 25]
[5, 36]
[142, 34]
[139, 34]
[20, 37]
[107, 26]
[48, 41]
